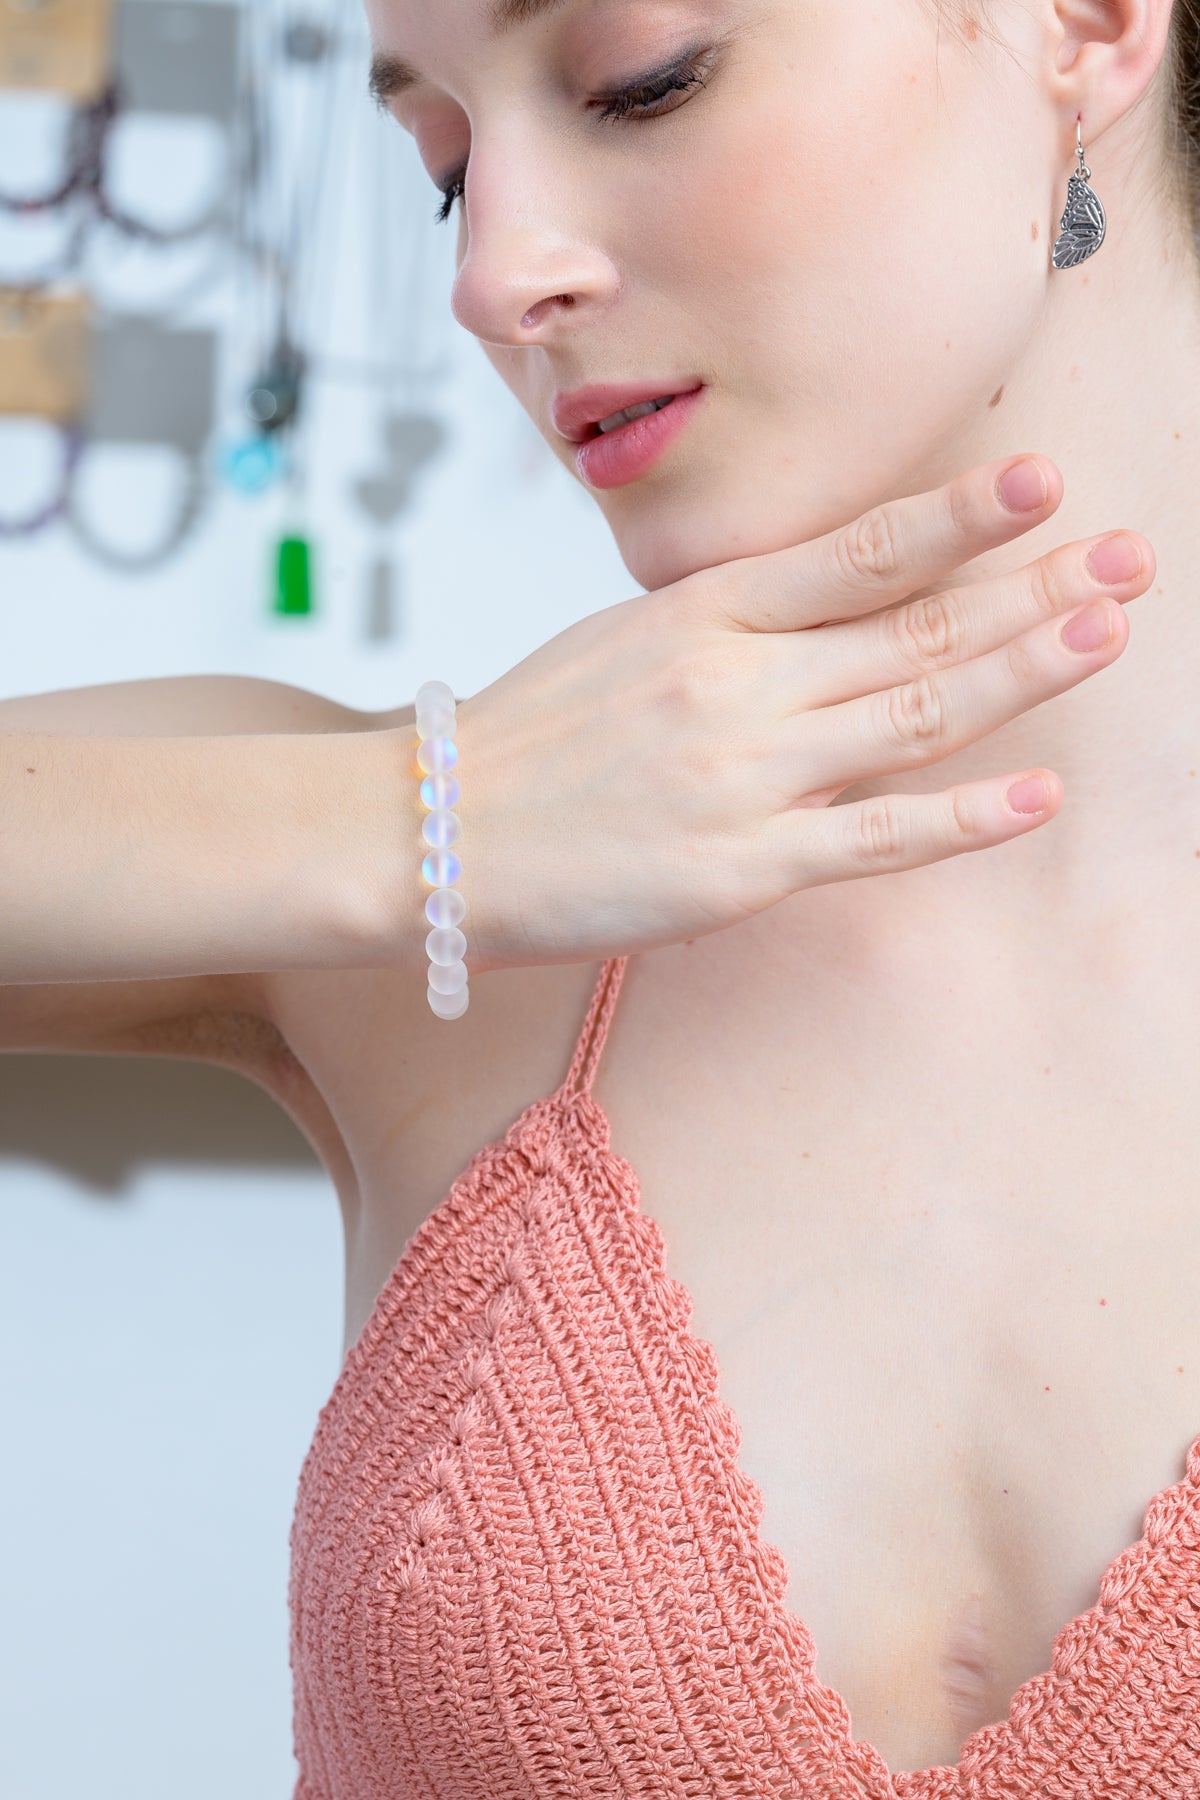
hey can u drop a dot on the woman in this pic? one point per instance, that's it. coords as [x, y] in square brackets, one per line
[903, 1143]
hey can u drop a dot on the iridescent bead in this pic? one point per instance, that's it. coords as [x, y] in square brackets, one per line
[441, 868]
[447, 978]
[435, 721]
[445, 906]
[440, 790]
[441, 828]
[449, 1006]
[437, 754]
[445, 944]
[435, 693]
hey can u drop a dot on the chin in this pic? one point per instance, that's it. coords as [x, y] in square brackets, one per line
[662, 552]
[669, 532]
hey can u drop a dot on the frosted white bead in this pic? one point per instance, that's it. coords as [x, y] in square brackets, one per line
[445, 943]
[438, 693]
[440, 790]
[441, 868]
[437, 754]
[445, 906]
[441, 828]
[449, 1006]
[435, 721]
[447, 978]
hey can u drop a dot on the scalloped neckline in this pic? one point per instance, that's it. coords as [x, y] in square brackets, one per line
[918, 1784]
[902, 1784]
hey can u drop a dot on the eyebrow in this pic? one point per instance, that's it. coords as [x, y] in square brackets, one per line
[388, 76]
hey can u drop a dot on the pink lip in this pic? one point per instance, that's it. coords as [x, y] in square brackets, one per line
[614, 457]
[575, 415]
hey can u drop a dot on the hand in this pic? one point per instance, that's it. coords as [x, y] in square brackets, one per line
[665, 767]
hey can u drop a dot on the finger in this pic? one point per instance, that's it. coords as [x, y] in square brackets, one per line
[888, 553]
[890, 832]
[922, 721]
[941, 630]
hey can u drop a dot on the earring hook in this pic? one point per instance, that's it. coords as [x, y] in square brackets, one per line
[1084, 171]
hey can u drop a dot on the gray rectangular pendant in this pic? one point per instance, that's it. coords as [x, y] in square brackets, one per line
[178, 56]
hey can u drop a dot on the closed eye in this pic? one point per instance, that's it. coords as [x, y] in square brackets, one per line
[643, 100]
[652, 88]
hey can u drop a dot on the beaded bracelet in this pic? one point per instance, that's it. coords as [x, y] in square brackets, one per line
[437, 755]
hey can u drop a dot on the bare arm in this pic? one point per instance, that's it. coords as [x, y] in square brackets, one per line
[278, 837]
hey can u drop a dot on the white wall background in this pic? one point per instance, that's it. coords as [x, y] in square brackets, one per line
[170, 1251]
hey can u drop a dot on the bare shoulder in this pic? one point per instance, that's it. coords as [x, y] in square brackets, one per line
[416, 1095]
[354, 1029]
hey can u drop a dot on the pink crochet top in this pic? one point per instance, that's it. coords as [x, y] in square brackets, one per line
[527, 1566]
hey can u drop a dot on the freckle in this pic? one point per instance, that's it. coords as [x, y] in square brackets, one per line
[947, 343]
[1179, 1369]
[1033, 231]
[1178, 435]
[997, 396]
[1006, 1490]
[29, 771]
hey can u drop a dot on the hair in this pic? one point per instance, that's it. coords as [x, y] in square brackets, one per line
[1181, 121]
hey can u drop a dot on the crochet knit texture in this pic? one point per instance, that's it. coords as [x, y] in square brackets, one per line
[527, 1566]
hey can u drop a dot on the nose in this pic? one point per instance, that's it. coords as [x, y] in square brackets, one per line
[530, 269]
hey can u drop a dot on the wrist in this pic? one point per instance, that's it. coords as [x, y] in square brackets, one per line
[387, 784]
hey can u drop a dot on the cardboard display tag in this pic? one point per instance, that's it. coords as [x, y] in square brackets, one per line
[45, 353]
[57, 46]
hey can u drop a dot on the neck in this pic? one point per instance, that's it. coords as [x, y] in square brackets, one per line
[1110, 390]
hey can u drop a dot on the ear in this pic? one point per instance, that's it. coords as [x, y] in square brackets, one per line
[1108, 54]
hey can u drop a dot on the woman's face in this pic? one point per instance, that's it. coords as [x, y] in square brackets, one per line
[841, 226]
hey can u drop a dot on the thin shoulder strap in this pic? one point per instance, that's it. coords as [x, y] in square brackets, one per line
[586, 1060]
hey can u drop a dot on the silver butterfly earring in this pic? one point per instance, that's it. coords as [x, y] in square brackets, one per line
[1083, 224]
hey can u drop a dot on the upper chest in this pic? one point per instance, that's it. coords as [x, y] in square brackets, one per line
[943, 1239]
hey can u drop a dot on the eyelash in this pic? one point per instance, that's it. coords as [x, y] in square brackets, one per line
[627, 102]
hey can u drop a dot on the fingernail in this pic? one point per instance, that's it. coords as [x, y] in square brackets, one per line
[1090, 629]
[1029, 796]
[1023, 487]
[1116, 559]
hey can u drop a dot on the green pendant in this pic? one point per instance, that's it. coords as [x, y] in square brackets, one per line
[293, 582]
